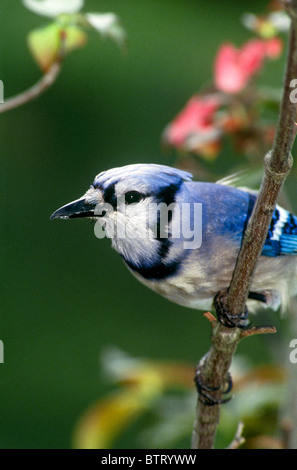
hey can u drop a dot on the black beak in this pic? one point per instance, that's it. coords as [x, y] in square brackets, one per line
[75, 209]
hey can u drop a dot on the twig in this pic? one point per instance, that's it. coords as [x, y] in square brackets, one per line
[257, 330]
[32, 93]
[238, 438]
[41, 86]
[278, 162]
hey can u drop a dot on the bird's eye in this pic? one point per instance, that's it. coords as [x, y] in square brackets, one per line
[132, 197]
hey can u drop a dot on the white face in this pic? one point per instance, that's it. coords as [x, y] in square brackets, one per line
[131, 222]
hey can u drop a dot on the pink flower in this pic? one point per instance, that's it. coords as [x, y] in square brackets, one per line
[274, 48]
[194, 128]
[196, 117]
[234, 67]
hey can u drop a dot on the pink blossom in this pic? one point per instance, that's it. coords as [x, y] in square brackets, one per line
[234, 67]
[274, 48]
[196, 117]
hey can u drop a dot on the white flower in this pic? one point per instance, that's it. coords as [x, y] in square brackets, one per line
[53, 8]
[102, 22]
[107, 24]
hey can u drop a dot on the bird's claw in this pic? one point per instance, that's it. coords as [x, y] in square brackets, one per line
[226, 318]
[206, 392]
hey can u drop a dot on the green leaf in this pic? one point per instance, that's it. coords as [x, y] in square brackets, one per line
[48, 43]
[74, 38]
[53, 8]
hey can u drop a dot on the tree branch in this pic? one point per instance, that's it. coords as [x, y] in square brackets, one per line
[41, 86]
[214, 367]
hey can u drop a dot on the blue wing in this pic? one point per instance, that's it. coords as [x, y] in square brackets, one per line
[282, 235]
[228, 212]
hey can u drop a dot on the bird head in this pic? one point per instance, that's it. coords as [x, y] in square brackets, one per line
[123, 203]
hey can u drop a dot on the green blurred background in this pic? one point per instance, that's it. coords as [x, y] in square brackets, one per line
[66, 295]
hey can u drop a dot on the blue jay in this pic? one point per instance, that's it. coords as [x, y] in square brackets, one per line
[160, 254]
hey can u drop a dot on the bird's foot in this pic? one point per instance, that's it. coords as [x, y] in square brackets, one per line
[207, 394]
[226, 318]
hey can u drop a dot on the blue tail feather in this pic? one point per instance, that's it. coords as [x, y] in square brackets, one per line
[282, 235]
